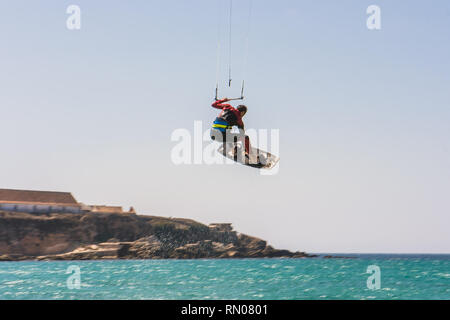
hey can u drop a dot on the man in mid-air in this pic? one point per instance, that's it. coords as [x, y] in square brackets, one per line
[229, 117]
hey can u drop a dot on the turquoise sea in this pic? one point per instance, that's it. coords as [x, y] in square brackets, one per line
[400, 277]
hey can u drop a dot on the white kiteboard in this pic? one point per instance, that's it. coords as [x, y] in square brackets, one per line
[257, 158]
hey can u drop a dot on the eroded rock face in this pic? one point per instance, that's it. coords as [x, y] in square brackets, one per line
[94, 236]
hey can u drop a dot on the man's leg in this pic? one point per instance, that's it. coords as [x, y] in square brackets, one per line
[219, 136]
[247, 145]
[244, 152]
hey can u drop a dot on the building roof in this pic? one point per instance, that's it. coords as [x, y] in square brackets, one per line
[106, 209]
[37, 197]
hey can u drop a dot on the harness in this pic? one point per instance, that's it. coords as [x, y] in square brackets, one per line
[221, 125]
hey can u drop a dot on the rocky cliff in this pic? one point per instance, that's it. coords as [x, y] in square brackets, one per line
[122, 236]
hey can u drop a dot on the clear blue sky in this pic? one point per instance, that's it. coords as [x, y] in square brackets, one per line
[363, 115]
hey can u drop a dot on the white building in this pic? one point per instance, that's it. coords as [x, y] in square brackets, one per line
[38, 201]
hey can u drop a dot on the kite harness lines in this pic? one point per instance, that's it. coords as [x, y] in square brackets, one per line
[230, 48]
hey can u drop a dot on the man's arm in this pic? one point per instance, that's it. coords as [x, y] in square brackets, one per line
[219, 104]
[240, 126]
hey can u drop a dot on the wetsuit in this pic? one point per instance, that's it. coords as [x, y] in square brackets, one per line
[229, 117]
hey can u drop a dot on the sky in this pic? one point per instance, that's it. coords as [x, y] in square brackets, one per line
[363, 114]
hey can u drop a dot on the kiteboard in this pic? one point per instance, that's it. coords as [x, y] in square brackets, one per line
[257, 158]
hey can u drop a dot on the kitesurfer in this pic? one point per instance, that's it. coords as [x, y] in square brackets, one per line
[229, 117]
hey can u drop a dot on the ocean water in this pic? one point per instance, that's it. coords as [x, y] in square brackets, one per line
[400, 277]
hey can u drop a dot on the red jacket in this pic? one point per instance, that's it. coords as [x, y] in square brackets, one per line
[229, 113]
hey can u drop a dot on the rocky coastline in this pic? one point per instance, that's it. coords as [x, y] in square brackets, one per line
[106, 236]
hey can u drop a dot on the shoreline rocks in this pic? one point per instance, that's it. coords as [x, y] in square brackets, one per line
[109, 236]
